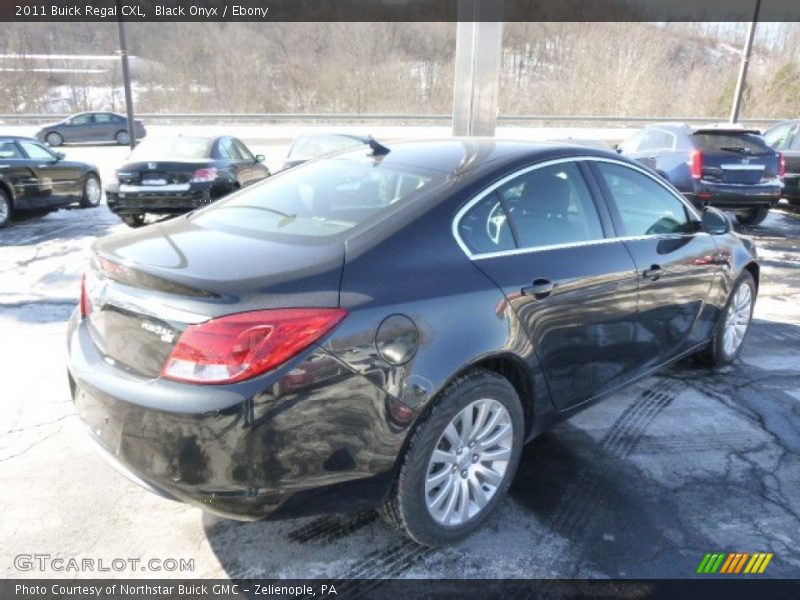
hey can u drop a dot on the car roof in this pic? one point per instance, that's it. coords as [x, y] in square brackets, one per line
[458, 155]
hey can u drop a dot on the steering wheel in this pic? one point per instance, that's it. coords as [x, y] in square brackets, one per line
[495, 222]
[663, 225]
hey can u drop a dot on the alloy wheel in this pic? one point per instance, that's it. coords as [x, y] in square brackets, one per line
[469, 462]
[5, 213]
[92, 191]
[737, 319]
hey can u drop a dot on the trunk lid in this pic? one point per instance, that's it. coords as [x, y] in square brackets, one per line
[160, 173]
[147, 286]
[736, 156]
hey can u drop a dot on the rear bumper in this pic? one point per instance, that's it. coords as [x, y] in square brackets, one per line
[245, 451]
[158, 201]
[734, 196]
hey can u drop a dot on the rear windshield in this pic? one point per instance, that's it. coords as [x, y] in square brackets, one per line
[323, 198]
[319, 145]
[180, 148]
[740, 143]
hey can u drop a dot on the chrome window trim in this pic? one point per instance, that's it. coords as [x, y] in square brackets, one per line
[576, 159]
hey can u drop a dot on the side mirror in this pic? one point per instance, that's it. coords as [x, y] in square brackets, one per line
[260, 158]
[715, 222]
[59, 155]
[618, 148]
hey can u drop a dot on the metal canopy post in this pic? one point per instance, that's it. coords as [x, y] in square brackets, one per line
[479, 45]
[126, 76]
[740, 83]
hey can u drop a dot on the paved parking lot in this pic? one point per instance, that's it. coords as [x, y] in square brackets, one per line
[643, 485]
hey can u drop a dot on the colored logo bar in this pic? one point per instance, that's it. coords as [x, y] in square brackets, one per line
[734, 562]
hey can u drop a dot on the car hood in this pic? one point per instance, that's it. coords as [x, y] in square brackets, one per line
[253, 272]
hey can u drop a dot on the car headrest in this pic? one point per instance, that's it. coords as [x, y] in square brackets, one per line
[545, 194]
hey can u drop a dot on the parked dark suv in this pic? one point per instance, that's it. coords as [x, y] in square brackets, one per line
[785, 138]
[725, 166]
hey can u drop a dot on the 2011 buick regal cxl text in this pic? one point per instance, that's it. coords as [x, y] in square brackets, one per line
[388, 329]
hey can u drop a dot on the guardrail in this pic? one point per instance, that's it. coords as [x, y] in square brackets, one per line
[210, 118]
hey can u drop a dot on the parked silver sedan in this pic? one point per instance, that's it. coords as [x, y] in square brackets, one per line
[90, 127]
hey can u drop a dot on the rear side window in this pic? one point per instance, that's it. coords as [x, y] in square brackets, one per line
[9, 150]
[102, 118]
[645, 206]
[320, 199]
[543, 207]
[734, 143]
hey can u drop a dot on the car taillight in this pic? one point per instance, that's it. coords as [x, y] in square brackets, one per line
[205, 174]
[696, 164]
[240, 346]
[86, 304]
[781, 165]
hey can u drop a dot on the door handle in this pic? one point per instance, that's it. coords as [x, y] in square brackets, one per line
[539, 289]
[654, 273]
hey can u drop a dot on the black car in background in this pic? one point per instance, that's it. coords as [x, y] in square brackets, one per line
[785, 138]
[308, 147]
[725, 166]
[91, 127]
[170, 176]
[389, 329]
[33, 178]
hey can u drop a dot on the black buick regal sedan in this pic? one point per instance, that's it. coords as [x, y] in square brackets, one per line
[35, 178]
[171, 176]
[388, 329]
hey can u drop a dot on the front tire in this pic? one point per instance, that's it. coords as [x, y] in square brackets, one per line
[734, 322]
[5, 208]
[92, 192]
[133, 220]
[460, 461]
[754, 216]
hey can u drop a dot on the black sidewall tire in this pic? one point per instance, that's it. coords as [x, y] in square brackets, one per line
[408, 500]
[84, 201]
[134, 220]
[755, 216]
[717, 355]
[7, 201]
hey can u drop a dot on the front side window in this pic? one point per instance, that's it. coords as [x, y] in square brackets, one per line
[81, 120]
[36, 151]
[324, 198]
[645, 206]
[777, 136]
[243, 151]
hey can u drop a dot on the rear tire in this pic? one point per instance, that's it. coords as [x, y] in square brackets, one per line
[5, 208]
[122, 138]
[754, 216]
[92, 192]
[733, 324]
[54, 139]
[460, 461]
[133, 220]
